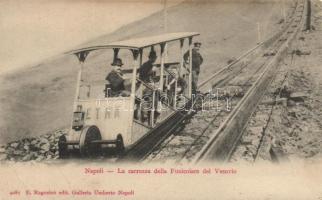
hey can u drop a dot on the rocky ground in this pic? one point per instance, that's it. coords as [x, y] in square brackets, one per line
[291, 128]
[39, 148]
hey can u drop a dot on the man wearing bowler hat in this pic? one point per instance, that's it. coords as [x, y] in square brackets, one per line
[197, 60]
[116, 80]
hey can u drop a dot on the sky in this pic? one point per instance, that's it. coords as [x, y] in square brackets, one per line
[34, 30]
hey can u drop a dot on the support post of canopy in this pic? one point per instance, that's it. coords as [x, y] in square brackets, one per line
[190, 67]
[161, 83]
[153, 108]
[81, 58]
[163, 47]
[181, 59]
[140, 90]
[136, 64]
[179, 74]
[175, 92]
[79, 79]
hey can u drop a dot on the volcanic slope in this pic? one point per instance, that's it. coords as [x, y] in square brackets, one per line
[38, 100]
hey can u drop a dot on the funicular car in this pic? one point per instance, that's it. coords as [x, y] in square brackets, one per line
[102, 117]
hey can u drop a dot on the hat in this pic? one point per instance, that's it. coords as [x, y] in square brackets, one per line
[117, 62]
[153, 54]
[197, 44]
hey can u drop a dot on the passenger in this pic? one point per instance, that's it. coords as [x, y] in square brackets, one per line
[197, 60]
[146, 75]
[171, 86]
[181, 85]
[115, 77]
[146, 72]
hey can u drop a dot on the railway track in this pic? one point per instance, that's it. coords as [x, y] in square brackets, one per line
[225, 139]
[213, 133]
[255, 143]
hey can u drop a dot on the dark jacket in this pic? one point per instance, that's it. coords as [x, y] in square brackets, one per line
[116, 81]
[145, 72]
[197, 59]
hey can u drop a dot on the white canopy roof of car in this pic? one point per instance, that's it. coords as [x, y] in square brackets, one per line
[138, 43]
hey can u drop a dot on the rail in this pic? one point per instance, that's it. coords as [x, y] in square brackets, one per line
[225, 138]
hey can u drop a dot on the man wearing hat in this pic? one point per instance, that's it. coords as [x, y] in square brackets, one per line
[116, 80]
[146, 75]
[197, 60]
[146, 72]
